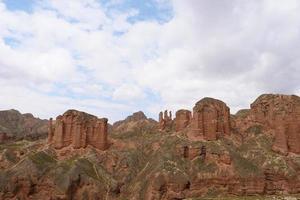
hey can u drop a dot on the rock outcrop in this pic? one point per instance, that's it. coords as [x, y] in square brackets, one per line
[183, 119]
[282, 114]
[211, 119]
[78, 129]
[143, 163]
[19, 126]
[165, 120]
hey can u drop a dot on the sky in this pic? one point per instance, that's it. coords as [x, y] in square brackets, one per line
[111, 58]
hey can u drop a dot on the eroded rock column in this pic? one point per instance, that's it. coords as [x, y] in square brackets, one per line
[211, 119]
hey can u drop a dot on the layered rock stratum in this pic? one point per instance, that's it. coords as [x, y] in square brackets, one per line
[204, 153]
[78, 130]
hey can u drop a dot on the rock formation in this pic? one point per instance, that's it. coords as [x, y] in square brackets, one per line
[142, 163]
[165, 120]
[78, 129]
[282, 114]
[183, 119]
[211, 119]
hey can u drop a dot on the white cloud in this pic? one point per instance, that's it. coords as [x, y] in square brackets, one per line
[82, 54]
[128, 92]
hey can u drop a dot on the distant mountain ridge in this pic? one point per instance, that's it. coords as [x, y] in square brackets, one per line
[22, 126]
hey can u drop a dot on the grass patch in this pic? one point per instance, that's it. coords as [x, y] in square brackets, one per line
[10, 156]
[204, 167]
[244, 166]
[87, 167]
[42, 160]
[14, 145]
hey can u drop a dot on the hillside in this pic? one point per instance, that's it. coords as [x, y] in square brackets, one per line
[22, 126]
[213, 155]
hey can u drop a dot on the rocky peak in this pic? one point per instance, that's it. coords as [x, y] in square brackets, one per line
[209, 101]
[136, 116]
[78, 116]
[136, 122]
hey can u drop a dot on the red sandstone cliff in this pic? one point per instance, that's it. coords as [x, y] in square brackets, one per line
[183, 119]
[187, 157]
[211, 118]
[78, 129]
[278, 115]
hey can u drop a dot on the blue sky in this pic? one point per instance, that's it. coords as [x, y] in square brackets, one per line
[24, 5]
[147, 10]
[112, 58]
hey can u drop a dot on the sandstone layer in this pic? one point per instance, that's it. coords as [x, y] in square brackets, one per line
[183, 119]
[211, 119]
[78, 129]
[281, 113]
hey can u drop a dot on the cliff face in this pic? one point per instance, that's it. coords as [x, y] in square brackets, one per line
[183, 119]
[277, 115]
[22, 126]
[78, 129]
[204, 153]
[211, 119]
[282, 114]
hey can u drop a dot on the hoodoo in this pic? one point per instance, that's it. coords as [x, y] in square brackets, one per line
[165, 120]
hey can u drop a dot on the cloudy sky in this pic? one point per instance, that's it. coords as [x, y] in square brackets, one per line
[113, 57]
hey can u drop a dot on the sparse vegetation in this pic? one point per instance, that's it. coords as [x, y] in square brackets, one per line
[42, 160]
